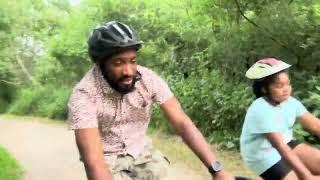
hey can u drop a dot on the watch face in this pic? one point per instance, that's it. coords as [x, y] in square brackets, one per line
[216, 166]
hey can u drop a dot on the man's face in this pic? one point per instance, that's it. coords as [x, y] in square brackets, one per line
[121, 70]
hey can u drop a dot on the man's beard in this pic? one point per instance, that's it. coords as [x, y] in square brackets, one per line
[122, 88]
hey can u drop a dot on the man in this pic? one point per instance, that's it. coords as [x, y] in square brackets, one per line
[109, 111]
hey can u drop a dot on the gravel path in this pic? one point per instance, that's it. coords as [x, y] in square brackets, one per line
[47, 151]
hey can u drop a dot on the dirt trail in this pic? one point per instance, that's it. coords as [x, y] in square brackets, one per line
[47, 151]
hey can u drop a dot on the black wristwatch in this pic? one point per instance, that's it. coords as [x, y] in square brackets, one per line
[215, 167]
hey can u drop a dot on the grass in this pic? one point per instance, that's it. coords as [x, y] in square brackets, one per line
[9, 167]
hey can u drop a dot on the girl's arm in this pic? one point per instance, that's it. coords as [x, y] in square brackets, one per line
[285, 151]
[310, 123]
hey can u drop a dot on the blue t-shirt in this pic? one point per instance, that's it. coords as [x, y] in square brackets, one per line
[261, 118]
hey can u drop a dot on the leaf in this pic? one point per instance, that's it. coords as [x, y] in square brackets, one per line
[230, 145]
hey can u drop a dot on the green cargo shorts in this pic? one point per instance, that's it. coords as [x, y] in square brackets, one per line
[150, 165]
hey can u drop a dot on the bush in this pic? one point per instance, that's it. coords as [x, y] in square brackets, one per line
[311, 99]
[3, 105]
[45, 101]
[6, 95]
[9, 167]
[216, 106]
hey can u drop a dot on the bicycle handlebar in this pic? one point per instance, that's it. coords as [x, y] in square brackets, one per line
[242, 178]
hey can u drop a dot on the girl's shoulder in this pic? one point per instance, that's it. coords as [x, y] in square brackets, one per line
[293, 100]
[259, 107]
[259, 103]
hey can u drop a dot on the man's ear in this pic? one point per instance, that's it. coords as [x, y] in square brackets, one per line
[263, 90]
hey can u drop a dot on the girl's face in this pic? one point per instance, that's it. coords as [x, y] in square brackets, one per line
[280, 88]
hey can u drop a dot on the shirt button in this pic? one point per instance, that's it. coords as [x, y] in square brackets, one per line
[123, 145]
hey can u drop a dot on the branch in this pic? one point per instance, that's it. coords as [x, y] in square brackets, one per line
[244, 16]
[24, 69]
[9, 82]
[265, 30]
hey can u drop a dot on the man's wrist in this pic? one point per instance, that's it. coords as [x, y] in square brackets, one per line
[215, 167]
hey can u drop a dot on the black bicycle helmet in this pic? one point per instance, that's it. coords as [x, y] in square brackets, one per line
[110, 38]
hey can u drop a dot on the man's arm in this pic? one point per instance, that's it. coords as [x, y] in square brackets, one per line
[91, 151]
[310, 123]
[190, 134]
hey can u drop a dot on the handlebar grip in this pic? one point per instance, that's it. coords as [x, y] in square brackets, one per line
[242, 178]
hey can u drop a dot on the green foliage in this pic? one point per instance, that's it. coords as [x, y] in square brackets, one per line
[6, 96]
[311, 92]
[288, 31]
[24, 28]
[9, 167]
[312, 89]
[159, 122]
[48, 101]
[215, 106]
[303, 135]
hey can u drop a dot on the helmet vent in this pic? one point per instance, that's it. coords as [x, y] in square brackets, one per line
[261, 67]
[122, 33]
[267, 64]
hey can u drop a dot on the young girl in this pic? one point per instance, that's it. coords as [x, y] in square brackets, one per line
[267, 145]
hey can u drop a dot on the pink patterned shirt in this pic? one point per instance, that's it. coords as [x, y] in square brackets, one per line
[121, 119]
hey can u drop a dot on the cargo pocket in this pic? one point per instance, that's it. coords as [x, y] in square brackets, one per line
[145, 157]
[123, 163]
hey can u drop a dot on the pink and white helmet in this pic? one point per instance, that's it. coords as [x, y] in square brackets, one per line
[266, 67]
